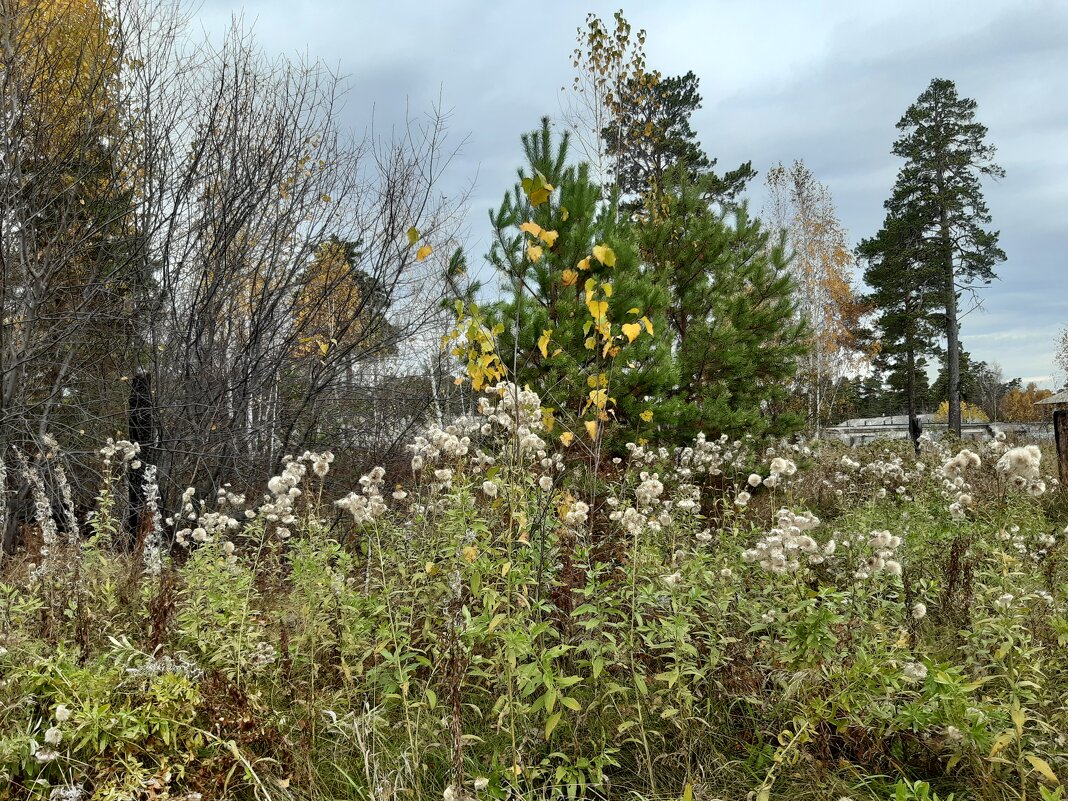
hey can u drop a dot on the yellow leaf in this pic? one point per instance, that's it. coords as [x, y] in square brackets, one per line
[631, 330]
[531, 228]
[534, 252]
[506, 568]
[423, 252]
[1042, 766]
[598, 308]
[537, 189]
[564, 214]
[547, 419]
[648, 325]
[590, 343]
[470, 553]
[605, 255]
[431, 569]
[635, 310]
[539, 196]
[598, 398]
[549, 237]
[647, 415]
[543, 342]
[569, 277]
[607, 290]
[1000, 742]
[590, 285]
[584, 264]
[567, 438]
[413, 235]
[591, 429]
[1019, 717]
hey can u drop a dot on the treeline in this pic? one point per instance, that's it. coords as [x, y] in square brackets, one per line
[765, 329]
[985, 396]
[198, 256]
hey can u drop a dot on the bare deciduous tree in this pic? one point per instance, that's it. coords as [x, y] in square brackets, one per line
[170, 241]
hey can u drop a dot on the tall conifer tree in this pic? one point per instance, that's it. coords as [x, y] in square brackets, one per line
[651, 133]
[939, 190]
[905, 293]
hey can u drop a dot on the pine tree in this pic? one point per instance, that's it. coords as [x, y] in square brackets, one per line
[737, 339]
[970, 374]
[939, 189]
[546, 337]
[905, 293]
[651, 133]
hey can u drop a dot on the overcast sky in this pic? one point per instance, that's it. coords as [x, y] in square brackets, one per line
[820, 81]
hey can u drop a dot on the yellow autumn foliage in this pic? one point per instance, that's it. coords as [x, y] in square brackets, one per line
[969, 413]
[67, 76]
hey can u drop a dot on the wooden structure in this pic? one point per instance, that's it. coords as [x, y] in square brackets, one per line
[1059, 402]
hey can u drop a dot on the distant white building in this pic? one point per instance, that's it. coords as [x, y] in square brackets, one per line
[861, 430]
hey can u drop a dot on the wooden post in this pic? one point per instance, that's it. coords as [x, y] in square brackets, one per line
[141, 431]
[1060, 435]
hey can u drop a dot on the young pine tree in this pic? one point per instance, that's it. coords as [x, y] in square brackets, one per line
[546, 343]
[737, 338]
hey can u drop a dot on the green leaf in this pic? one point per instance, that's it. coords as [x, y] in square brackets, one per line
[552, 723]
[413, 235]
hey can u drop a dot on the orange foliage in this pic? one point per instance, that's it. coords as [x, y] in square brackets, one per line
[1018, 406]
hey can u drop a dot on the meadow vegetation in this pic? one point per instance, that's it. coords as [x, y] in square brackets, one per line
[611, 560]
[721, 620]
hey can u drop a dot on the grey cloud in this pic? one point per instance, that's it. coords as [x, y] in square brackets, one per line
[781, 80]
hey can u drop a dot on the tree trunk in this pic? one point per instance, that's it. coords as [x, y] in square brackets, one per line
[141, 432]
[914, 420]
[952, 329]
